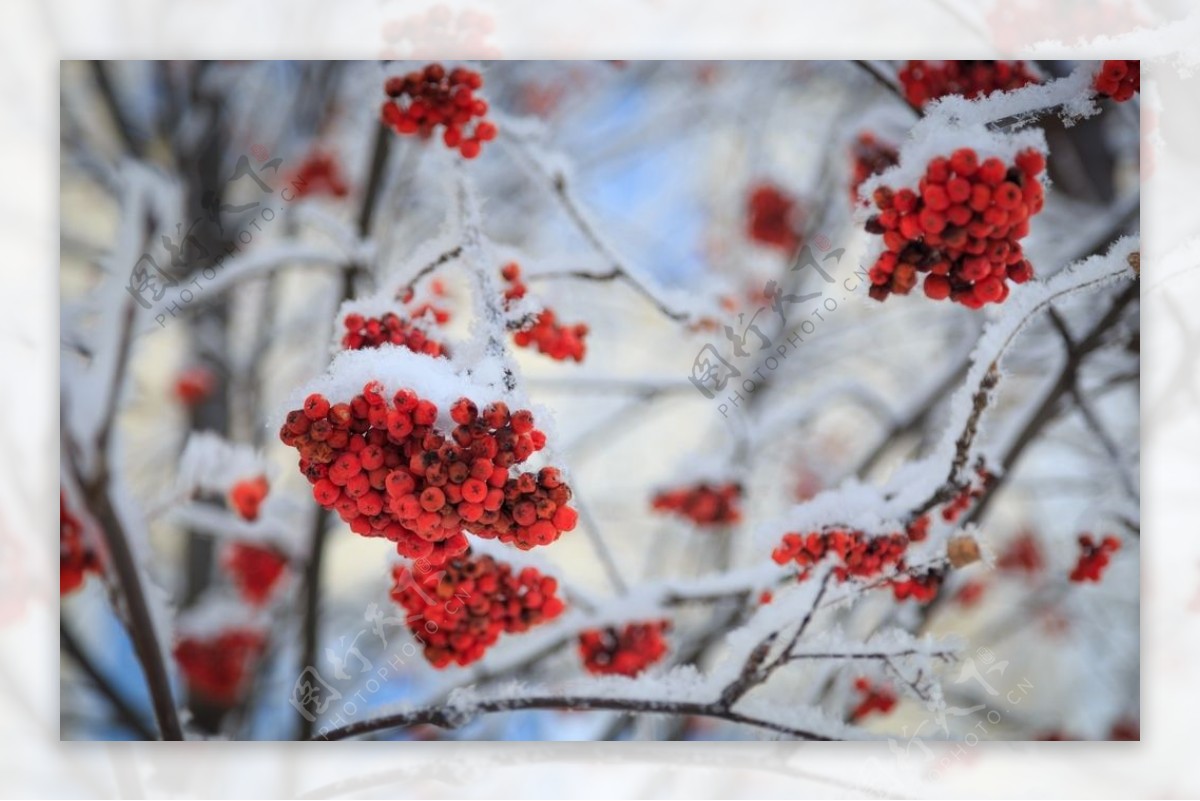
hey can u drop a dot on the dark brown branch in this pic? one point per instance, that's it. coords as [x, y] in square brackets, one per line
[449, 719]
[113, 105]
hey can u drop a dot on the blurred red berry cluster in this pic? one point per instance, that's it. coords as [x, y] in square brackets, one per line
[256, 570]
[925, 81]
[1093, 557]
[626, 651]
[704, 504]
[76, 558]
[218, 668]
[773, 218]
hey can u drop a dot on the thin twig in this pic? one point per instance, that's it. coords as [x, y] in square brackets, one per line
[125, 713]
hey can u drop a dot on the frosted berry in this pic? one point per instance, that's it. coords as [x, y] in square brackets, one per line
[318, 174]
[256, 570]
[704, 504]
[1093, 557]
[551, 337]
[460, 611]
[925, 81]
[390, 328]
[1119, 80]
[194, 385]
[856, 554]
[874, 699]
[960, 228]
[434, 99]
[626, 651]
[247, 495]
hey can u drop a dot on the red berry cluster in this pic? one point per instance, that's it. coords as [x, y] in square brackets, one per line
[970, 593]
[922, 587]
[874, 699]
[247, 495]
[624, 652]
[389, 473]
[962, 501]
[961, 228]
[1119, 80]
[372, 332]
[75, 557]
[1093, 557]
[925, 81]
[256, 570]
[704, 504]
[434, 97]
[458, 612]
[869, 156]
[552, 338]
[319, 174]
[773, 218]
[219, 669]
[859, 555]
[194, 385]
[1022, 555]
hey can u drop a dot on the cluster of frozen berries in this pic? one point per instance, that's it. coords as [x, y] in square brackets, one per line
[194, 384]
[704, 504]
[218, 668]
[961, 228]
[1119, 80]
[874, 699]
[920, 587]
[869, 156]
[384, 468]
[460, 610]
[773, 218]
[247, 495]
[76, 558]
[372, 332]
[1021, 555]
[859, 555]
[547, 334]
[319, 174]
[925, 81]
[1093, 557]
[423, 100]
[963, 500]
[256, 570]
[626, 651]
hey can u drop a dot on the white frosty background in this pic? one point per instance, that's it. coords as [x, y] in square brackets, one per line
[39, 33]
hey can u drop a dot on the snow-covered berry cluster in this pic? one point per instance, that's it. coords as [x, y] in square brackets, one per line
[1021, 555]
[925, 81]
[218, 668]
[859, 555]
[626, 651]
[961, 227]
[704, 504]
[389, 472]
[459, 611]
[874, 699]
[390, 328]
[869, 156]
[921, 587]
[773, 218]
[319, 174]
[76, 558]
[551, 337]
[256, 570]
[194, 384]
[1119, 80]
[969, 494]
[247, 495]
[421, 101]
[1093, 557]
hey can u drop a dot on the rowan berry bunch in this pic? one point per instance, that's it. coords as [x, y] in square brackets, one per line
[1022, 555]
[869, 156]
[76, 558]
[194, 385]
[460, 611]
[920, 587]
[874, 699]
[422, 101]
[256, 570]
[1119, 80]
[247, 495]
[626, 651]
[970, 593]
[388, 472]
[858, 554]
[961, 228]
[1093, 557]
[773, 218]
[319, 174]
[962, 501]
[925, 81]
[704, 504]
[392, 329]
[546, 333]
[218, 669]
